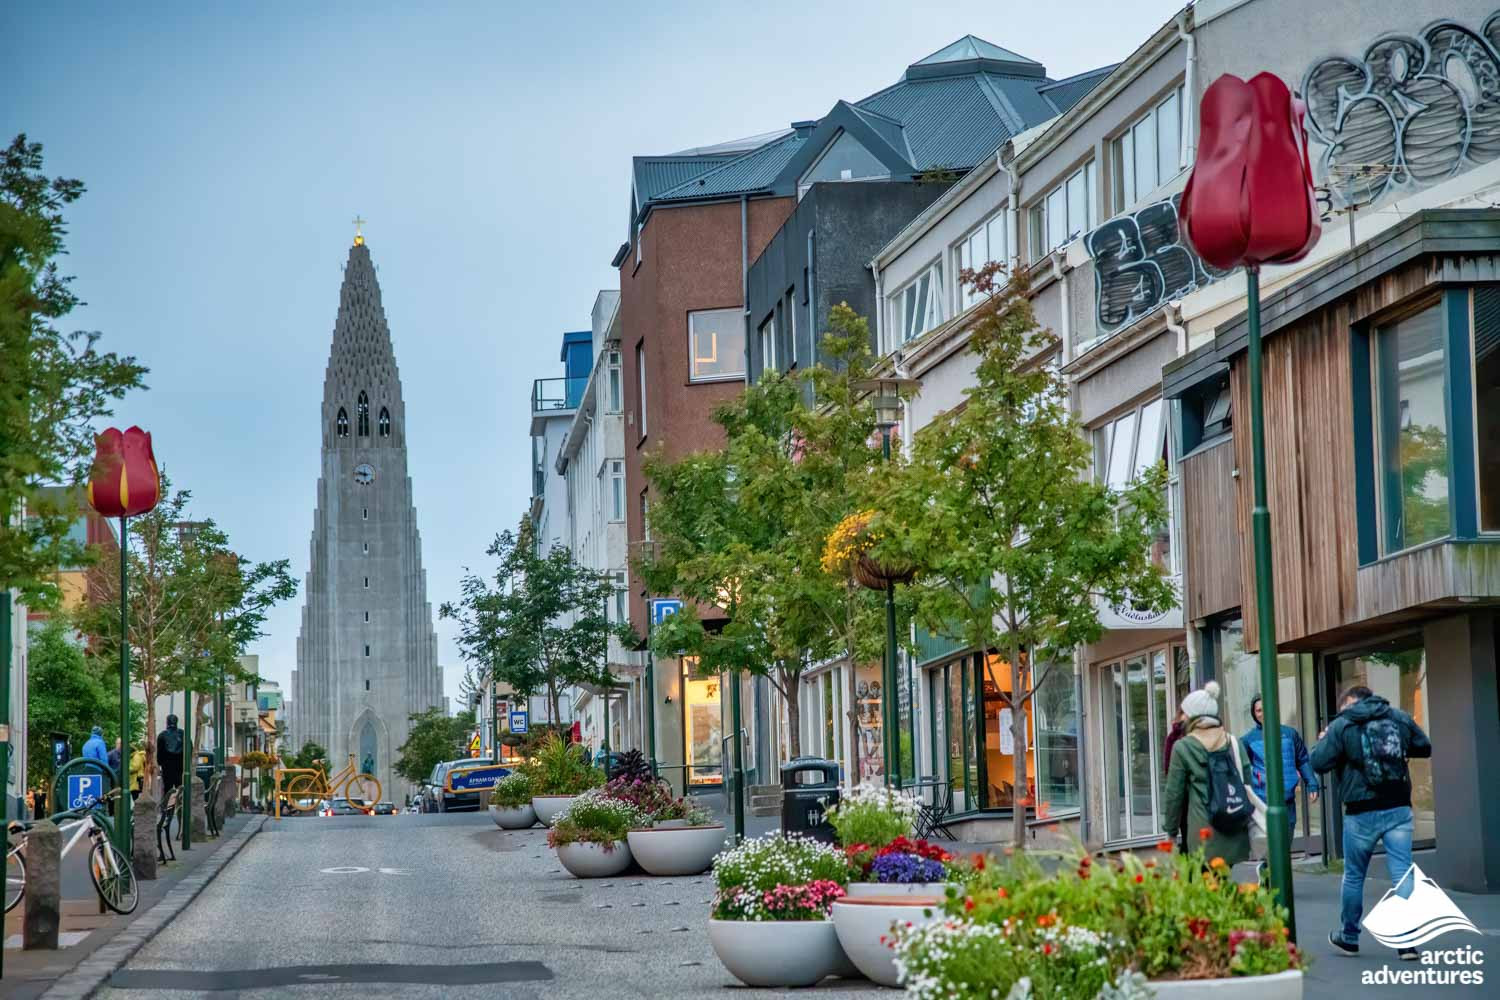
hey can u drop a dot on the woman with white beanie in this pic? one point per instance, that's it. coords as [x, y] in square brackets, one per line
[1204, 762]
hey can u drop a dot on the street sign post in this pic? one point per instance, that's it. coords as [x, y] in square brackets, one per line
[518, 723]
[84, 790]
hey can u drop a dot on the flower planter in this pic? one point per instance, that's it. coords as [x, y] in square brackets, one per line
[686, 850]
[548, 806]
[521, 817]
[1281, 986]
[776, 953]
[864, 924]
[869, 890]
[586, 860]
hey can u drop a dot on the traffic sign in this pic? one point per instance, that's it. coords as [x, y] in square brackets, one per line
[518, 722]
[84, 790]
[662, 607]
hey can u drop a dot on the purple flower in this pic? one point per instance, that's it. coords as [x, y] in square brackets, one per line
[906, 868]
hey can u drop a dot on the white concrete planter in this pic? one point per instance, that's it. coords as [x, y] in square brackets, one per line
[513, 817]
[861, 924]
[776, 953]
[1282, 986]
[548, 806]
[586, 860]
[868, 890]
[687, 850]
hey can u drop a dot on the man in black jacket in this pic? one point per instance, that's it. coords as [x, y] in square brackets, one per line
[169, 755]
[1368, 744]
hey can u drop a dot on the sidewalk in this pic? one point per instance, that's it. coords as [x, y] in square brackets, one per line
[85, 930]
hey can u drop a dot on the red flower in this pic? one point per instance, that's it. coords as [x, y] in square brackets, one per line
[1047, 948]
[1139, 878]
[124, 481]
[969, 903]
[979, 862]
[1250, 198]
[1001, 892]
[1165, 846]
[1085, 861]
[1204, 833]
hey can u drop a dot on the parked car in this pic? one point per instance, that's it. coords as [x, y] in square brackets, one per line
[436, 797]
[385, 809]
[342, 807]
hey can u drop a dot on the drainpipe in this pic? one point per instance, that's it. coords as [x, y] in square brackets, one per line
[1067, 306]
[1189, 91]
[745, 275]
[1172, 313]
[1015, 203]
[1168, 311]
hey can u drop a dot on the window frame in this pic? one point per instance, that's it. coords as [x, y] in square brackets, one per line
[617, 489]
[962, 250]
[1040, 211]
[1105, 451]
[616, 382]
[1122, 199]
[640, 403]
[738, 322]
[767, 335]
[937, 293]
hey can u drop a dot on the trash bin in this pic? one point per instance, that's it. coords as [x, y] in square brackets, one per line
[205, 766]
[809, 785]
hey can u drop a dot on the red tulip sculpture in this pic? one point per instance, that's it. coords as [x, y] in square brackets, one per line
[124, 481]
[1250, 199]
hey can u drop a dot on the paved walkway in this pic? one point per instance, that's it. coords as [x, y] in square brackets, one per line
[85, 930]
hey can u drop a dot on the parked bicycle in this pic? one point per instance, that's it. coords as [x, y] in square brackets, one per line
[112, 873]
[304, 788]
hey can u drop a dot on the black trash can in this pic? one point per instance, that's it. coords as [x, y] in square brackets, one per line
[809, 785]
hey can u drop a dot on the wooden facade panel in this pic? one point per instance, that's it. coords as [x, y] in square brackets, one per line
[1211, 581]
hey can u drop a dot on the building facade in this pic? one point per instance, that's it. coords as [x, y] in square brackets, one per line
[367, 652]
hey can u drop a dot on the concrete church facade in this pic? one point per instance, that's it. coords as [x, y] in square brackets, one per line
[367, 652]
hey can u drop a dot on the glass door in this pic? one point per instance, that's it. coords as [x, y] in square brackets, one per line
[1139, 698]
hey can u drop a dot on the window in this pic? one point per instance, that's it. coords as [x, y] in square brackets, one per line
[621, 589]
[768, 346]
[367, 583]
[385, 422]
[791, 320]
[1149, 153]
[367, 548]
[645, 516]
[367, 683]
[367, 616]
[1487, 403]
[617, 490]
[364, 513]
[716, 345]
[918, 307]
[1129, 445]
[341, 425]
[1411, 430]
[1067, 210]
[985, 244]
[367, 649]
[615, 404]
[362, 410]
[640, 401]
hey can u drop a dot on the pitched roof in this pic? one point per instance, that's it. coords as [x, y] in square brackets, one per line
[971, 47]
[1066, 92]
[752, 171]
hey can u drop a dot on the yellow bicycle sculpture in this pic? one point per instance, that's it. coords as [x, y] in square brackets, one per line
[298, 785]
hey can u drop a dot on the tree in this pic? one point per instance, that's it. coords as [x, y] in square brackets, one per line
[738, 533]
[432, 738]
[306, 757]
[67, 691]
[540, 625]
[53, 386]
[1014, 543]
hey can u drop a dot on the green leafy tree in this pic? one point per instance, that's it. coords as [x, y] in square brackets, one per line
[310, 753]
[68, 691]
[432, 738]
[53, 386]
[539, 624]
[738, 533]
[1015, 544]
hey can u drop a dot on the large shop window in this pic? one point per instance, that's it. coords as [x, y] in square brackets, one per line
[702, 727]
[716, 343]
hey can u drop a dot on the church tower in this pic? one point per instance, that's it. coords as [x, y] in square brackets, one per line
[367, 652]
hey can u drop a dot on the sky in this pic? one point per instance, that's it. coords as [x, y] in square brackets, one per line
[226, 149]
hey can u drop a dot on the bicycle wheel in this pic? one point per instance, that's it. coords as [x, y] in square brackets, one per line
[15, 878]
[299, 789]
[363, 791]
[114, 878]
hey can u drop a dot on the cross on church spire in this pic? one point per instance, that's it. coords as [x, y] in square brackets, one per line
[359, 237]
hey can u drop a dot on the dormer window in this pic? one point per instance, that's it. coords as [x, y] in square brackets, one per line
[384, 425]
[341, 424]
[363, 412]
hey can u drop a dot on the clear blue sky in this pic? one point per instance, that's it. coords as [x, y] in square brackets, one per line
[226, 147]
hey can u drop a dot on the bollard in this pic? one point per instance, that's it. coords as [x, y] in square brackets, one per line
[43, 900]
[200, 816]
[143, 838]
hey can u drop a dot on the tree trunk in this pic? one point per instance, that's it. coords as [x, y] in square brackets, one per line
[150, 692]
[1018, 745]
[791, 686]
[552, 701]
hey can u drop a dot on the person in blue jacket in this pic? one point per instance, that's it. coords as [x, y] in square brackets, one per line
[1295, 763]
[94, 748]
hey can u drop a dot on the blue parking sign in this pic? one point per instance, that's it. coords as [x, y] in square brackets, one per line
[84, 790]
[663, 607]
[518, 722]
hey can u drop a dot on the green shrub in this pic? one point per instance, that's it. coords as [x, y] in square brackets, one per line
[561, 768]
[512, 791]
[873, 815]
[593, 818]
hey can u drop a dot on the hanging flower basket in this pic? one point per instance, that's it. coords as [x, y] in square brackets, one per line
[847, 551]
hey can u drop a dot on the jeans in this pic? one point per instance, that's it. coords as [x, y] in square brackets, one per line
[1361, 831]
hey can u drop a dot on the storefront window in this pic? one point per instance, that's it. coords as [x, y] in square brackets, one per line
[1056, 741]
[867, 693]
[960, 734]
[1000, 789]
[829, 715]
[1138, 702]
[702, 730]
[1398, 673]
[1412, 430]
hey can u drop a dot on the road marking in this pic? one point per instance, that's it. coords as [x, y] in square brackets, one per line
[394, 871]
[348, 870]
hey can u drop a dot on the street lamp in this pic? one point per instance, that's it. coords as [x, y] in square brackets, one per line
[889, 401]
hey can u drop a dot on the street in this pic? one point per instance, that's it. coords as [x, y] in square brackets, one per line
[429, 906]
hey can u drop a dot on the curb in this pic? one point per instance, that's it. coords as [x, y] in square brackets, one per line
[91, 973]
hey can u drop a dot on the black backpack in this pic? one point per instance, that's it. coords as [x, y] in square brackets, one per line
[1229, 808]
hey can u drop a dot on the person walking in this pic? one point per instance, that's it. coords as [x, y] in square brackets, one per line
[114, 758]
[1208, 800]
[1295, 763]
[137, 771]
[1368, 743]
[93, 747]
[169, 746]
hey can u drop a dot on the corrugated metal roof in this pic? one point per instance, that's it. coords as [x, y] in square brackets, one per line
[1067, 92]
[971, 47]
[948, 122]
[655, 174]
[750, 172]
[887, 128]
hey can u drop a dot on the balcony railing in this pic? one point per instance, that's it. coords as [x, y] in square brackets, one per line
[556, 393]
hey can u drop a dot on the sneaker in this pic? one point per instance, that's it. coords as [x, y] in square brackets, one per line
[1337, 940]
[1407, 954]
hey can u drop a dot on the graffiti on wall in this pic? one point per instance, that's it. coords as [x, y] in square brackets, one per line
[1142, 260]
[1412, 111]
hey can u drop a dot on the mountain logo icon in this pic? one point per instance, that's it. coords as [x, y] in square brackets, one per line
[1413, 920]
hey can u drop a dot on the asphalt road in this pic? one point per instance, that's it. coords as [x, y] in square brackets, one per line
[430, 906]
